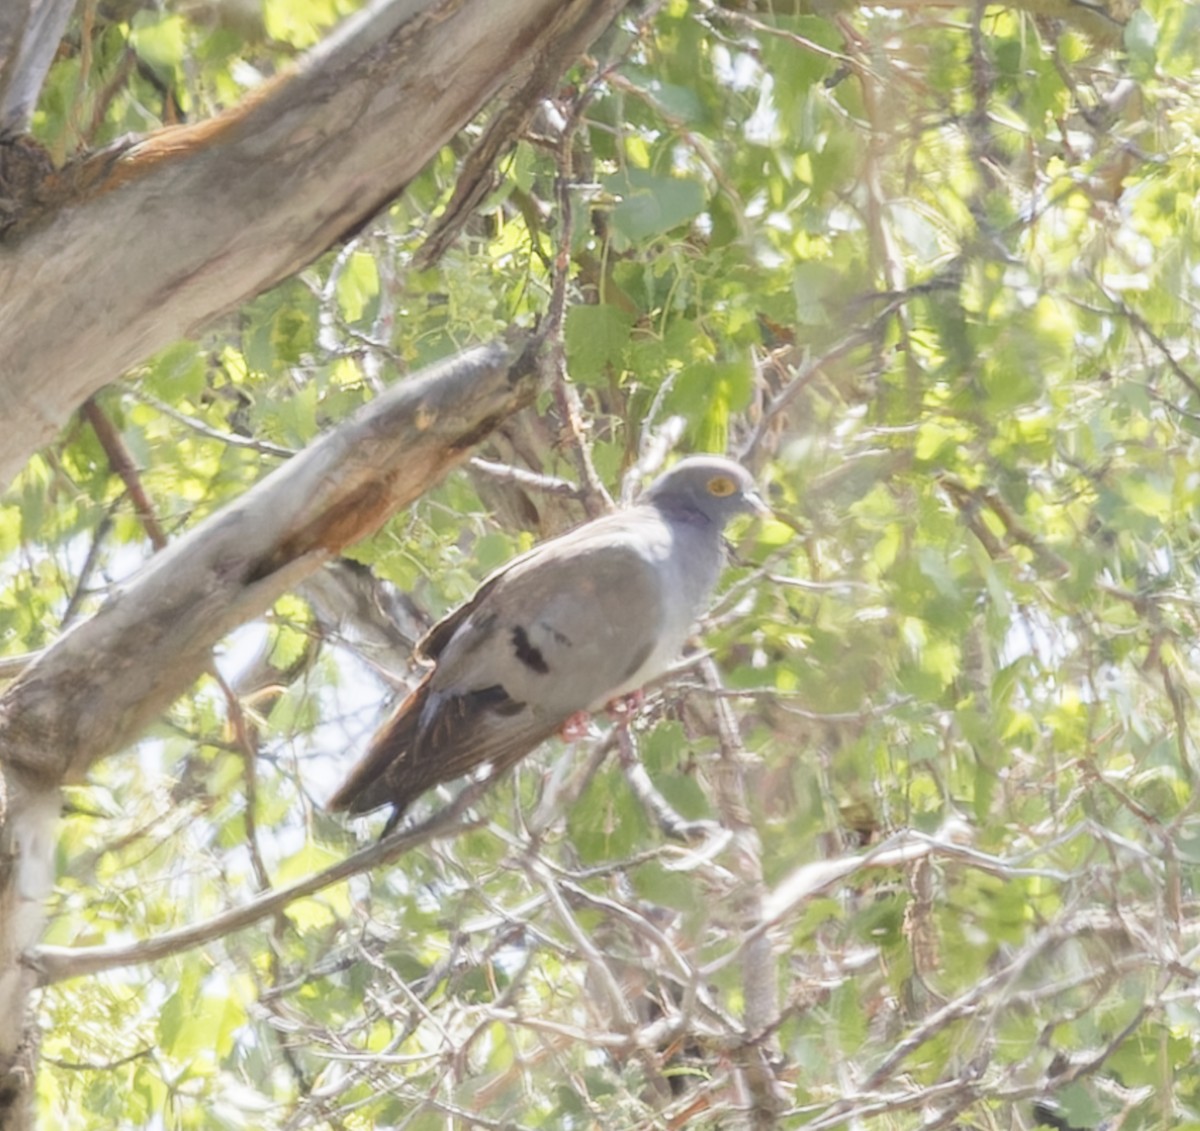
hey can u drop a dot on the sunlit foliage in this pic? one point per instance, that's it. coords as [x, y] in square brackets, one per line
[933, 273]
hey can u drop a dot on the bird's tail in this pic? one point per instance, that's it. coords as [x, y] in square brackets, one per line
[380, 777]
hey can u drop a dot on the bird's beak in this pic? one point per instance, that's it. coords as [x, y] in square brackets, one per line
[757, 506]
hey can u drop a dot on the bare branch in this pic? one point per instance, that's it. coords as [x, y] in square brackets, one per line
[264, 447]
[58, 963]
[249, 197]
[759, 980]
[29, 35]
[122, 464]
[68, 709]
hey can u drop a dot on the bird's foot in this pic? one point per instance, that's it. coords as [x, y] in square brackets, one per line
[624, 707]
[576, 727]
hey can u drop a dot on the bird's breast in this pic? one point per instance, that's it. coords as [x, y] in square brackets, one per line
[688, 566]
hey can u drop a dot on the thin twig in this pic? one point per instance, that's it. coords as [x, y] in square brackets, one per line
[760, 986]
[807, 371]
[506, 473]
[248, 745]
[199, 426]
[107, 1066]
[88, 568]
[596, 499]
[670, 822]
[122, 463]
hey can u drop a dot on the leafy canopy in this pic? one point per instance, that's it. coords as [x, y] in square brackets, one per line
[934, 273]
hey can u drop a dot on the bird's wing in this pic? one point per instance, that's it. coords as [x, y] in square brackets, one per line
[430, 645]
[430, 739]
[556, 631]
[567, 624]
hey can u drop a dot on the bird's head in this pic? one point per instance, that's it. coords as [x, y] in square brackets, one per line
[716, 487]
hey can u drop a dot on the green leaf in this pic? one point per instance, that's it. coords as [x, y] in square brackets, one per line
[159, 39]
[596, 340]
[178, 374]
[666, 888]
[1079, 1107]
[1141, 39]
[651, 205]
[358, 286]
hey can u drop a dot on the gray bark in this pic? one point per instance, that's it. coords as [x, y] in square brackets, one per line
[93, 691]
[122, 253]
[134, 248]
[29, 35]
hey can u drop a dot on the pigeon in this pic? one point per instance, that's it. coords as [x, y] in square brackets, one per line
[575, 623]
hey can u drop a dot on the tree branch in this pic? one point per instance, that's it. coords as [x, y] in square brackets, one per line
[60, 963]
[94, 691]
[212, 213]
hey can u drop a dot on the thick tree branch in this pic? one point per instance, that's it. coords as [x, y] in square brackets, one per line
[210, 214]
[94, 691]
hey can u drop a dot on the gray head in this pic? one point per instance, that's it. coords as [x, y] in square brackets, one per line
[712, 486]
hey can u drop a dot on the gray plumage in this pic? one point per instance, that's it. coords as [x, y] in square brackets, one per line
[572, 624]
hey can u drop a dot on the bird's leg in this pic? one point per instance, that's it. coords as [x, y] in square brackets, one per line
[576, 727]
[624, 707]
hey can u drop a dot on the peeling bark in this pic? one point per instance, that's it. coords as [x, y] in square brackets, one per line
[128, 250]
[97, 687]
[93, 691]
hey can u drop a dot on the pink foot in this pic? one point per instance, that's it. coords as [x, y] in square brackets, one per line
[624, 707]
[576, 727]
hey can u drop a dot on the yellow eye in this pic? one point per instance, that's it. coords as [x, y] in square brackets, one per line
[721, 486]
